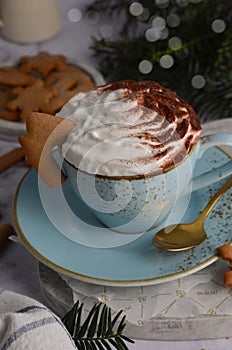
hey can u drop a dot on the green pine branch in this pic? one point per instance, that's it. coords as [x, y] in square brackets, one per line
[99, 330]
[202, 51]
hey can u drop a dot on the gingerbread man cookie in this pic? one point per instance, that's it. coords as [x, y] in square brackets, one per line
[10, 76]
[31, 99]
[68, 84]
[43, 63]
[5, 112]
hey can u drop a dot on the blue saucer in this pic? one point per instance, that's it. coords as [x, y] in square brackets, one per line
[131, 264]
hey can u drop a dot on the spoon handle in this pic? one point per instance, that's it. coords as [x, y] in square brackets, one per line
[215, 198]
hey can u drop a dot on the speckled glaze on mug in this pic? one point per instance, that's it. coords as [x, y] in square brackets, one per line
[138, 203]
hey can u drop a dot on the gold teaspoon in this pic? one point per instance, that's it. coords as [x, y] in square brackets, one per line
[185, 236]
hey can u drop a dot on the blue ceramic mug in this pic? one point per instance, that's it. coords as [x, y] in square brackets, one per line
[135, 204]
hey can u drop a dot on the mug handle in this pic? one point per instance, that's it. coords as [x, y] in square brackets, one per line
[218, 173]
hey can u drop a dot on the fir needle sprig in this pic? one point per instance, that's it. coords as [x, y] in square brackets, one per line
[201, 62]
[99, 330]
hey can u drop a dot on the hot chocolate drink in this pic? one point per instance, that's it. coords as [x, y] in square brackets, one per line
[129, 128]
[129, 151]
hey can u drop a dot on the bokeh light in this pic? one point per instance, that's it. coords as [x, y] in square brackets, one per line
[198, 81]
[106, 30]
[164, 34]
[92, 17]
[145, 15]
[166, 61]
[159, 22]
[218, 25]
[173, 20]
[74, 15]
[136, 8]
[145, 66]
[152, 34]
[175, 43]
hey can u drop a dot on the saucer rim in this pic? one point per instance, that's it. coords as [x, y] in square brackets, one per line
[97, 280]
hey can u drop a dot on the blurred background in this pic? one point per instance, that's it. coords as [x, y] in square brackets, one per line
[185, 45]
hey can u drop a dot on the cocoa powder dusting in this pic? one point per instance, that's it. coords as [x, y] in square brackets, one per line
[157, 98]
[176, 119]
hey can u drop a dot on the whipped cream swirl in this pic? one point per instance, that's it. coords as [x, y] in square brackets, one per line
[129, 128]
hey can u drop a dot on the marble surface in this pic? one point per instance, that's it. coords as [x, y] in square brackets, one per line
[18, 268]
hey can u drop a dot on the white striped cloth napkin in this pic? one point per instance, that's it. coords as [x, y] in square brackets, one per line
[28, 324]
